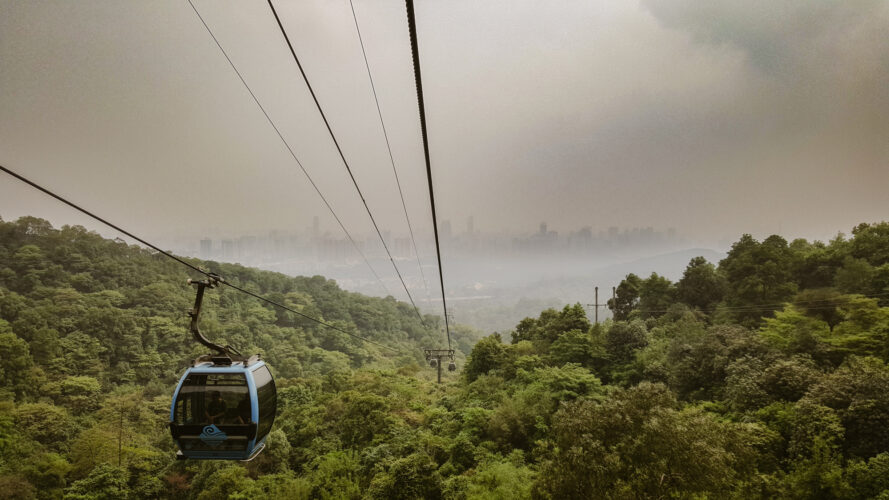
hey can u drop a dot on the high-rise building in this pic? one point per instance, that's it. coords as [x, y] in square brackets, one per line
[229, 249]
[206, 248]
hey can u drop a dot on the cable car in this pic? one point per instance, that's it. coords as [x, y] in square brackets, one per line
[225, 403]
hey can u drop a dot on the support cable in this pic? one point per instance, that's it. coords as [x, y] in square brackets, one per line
[188, 264]
[343, 157]
[389, 148]
[292, 153]
[415, 51]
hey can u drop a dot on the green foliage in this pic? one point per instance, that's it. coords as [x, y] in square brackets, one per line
[105, 482]
[227, 482]
[764, 377]
[698, 359]
[639, 443]
[759, 274]
[359, 418]
[44, 423]
[551, 325]
[574, 347]
[701, 286]
[855, 276]
[412, 477]
[488, 354]
[859, 392]
[15, 363]
[622, 340]
[495, 480]
[656, 295]
[626, 297]
[794, 332]
[871, 242]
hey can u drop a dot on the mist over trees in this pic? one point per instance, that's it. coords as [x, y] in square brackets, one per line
[761, 376]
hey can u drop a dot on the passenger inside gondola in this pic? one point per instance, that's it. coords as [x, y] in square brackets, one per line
[243, 416]
[215, 409]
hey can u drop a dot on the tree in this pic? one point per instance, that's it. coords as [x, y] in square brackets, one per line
[16, 487]
[753, 383]
[488, 354]
[408, 478]
[701, 286]
[495, 480]
[626, 297]
[859, 392]
[871, 243]
[698, 360]
[105, 482]
[794, 332]
[228, 482]
[638, 444]
[869, 479]
[622, 340]
[15, 362]
[656, 295]
[44, 423]
[574, 346]
[551, 325]
[359, 418]
[855, 276]
[818, 263]
[759, 276]
[47, 472]
[816, 302]
[80, 394]
[864, 329]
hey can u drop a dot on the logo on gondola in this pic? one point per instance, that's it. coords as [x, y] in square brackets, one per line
[212, 436]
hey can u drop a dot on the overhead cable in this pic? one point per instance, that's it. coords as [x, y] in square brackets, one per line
[292, 153]
[188, 264]
[415, 52]
[389, 148]
[343, 157]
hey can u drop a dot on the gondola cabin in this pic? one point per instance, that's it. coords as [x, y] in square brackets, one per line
[223, 411]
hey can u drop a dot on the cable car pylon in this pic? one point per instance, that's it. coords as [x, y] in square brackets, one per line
[435, 357]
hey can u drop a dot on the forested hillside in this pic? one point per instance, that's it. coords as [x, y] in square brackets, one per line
[761, 376]
[93, 337]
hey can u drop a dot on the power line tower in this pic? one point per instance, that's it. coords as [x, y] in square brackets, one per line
[596, 305]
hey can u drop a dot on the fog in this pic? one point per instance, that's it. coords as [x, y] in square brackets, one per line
[708, 120]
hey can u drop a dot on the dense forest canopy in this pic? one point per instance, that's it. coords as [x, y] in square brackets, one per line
[760, 376]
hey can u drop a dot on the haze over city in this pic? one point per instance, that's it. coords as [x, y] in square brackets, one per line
[704, 122]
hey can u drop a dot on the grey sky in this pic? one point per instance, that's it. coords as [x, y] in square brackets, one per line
[715, 118]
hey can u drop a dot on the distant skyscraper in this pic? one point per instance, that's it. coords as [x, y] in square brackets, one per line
[470, 225]
[543, 228]
[206, 248]
[229, 249]
[316, 227]
[446, 229]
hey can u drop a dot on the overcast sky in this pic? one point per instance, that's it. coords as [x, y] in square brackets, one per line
[715, 118]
